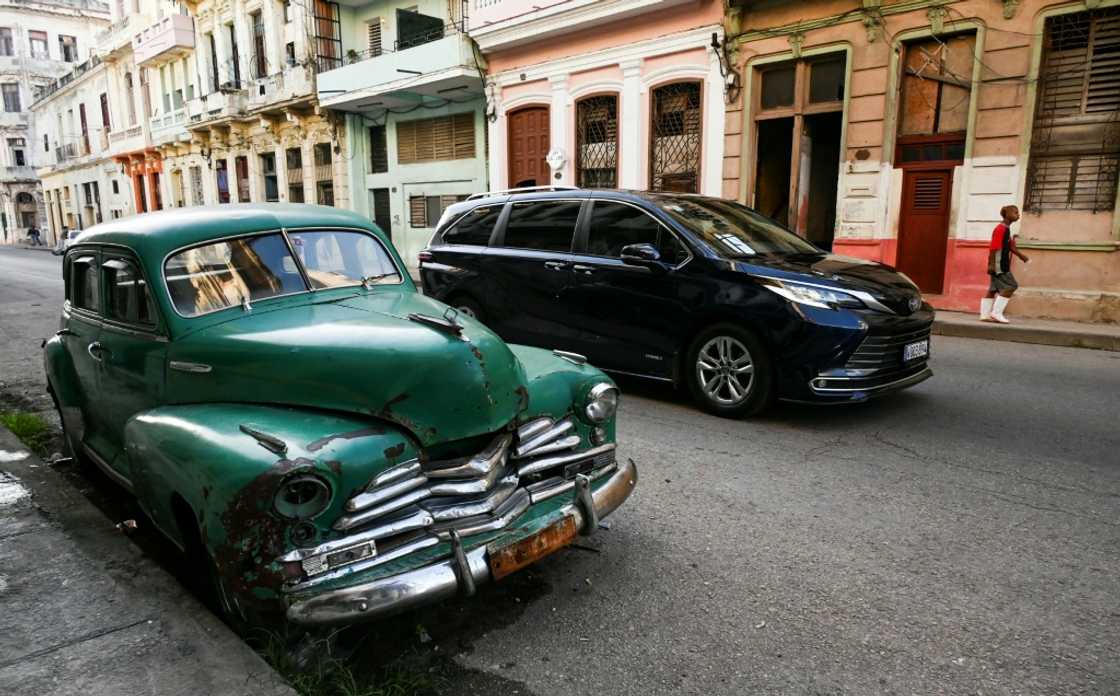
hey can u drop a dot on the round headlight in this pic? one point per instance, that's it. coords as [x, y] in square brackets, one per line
[602, 402]
[302, 497]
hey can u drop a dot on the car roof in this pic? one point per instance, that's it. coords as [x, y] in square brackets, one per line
[154, 235]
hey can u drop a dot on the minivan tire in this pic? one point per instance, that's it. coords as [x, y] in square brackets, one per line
[736, 369]
[467, 305]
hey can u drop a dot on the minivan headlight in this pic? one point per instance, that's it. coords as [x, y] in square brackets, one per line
[812, 295]
[602, 402]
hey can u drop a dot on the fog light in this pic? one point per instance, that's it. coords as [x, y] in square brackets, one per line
[598, 436]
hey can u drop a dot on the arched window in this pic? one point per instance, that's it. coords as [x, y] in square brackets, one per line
[675, 138]
[24, 197]
[597, 142]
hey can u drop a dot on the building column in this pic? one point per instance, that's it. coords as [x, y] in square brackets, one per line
[558, 130]
[496, 134]
[630, 137]
[714, 123]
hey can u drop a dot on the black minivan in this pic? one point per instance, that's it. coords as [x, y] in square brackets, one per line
[701, 291]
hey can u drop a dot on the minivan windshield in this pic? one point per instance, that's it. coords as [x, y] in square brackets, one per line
[733, 230]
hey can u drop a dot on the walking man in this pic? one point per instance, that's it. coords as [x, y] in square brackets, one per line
[1002, 285]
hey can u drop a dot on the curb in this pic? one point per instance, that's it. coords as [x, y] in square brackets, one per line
[87, 612]
[1040, 335]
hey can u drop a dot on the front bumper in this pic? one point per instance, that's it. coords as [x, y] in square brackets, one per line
[447, 578]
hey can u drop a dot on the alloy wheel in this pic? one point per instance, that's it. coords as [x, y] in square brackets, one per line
[725, 370]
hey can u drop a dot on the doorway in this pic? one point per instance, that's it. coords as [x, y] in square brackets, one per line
[529, 141]
[379, 209]
[924, 226]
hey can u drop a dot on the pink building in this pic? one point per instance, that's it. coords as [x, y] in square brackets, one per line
[604, 93]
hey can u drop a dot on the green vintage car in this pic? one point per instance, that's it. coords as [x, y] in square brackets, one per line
[327, 443]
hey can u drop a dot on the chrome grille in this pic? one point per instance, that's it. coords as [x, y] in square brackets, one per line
[415, 505]
[878, 352]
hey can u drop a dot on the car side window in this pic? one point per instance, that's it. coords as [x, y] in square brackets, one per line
[615, 225]
[542, 225]
[474, 227]
[83, 283]
[128, 297]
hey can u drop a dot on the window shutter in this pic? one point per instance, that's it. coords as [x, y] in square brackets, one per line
[374, 36]
[436, 139]
[1103, 91]
[378, 150]
[463, 138]
[417, 211]
[406, 142]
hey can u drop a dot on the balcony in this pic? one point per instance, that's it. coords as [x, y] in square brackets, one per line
[168, 39]
[130, 140]
[500, 24]
[15, 119]
[117, 37]
[273, 92]
[214, 107]
[430, 71]
[170, 126]
[25, 173]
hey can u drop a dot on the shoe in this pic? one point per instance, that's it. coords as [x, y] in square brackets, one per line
[999, 319]
[986, 308]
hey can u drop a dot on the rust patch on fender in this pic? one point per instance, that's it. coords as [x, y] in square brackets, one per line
[394, 451]
[322, 442]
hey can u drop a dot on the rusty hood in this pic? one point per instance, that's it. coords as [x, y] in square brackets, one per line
[358, 353]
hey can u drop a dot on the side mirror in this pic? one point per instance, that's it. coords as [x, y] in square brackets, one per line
[644, 254]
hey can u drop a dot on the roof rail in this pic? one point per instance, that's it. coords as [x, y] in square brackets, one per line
[522, 189]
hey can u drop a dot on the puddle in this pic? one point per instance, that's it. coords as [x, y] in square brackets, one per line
[6, 456]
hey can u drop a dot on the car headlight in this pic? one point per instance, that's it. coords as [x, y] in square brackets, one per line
[908, 279]
[302, 497]
[602, 402]
[813, 295]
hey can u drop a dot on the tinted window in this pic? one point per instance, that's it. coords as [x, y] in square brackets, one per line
[544, 225]
[335, 258]
[614, 226]
[733, 230]
[83, 284]
[224, 274]
[129, 300]
[474, 227]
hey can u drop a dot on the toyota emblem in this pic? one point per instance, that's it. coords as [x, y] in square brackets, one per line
[915, 303]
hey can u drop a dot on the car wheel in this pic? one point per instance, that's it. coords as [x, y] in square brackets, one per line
[728, 371]
[468, 306]
[208, 584]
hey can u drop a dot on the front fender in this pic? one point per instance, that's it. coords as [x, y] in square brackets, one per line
[59, 370]
[557, 387]
[229, 478]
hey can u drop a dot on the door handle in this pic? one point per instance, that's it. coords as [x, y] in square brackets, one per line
[64, 332]
[555, 265]
[586, 270]
[94, 349]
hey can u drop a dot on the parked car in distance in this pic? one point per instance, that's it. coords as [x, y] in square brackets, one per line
[65, 241]
[700, 291]
[325, 442]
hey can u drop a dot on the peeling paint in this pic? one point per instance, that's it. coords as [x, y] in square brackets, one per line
[351, 435]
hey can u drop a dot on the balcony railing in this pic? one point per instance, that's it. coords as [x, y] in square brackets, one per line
[55, 85]
[169, 38]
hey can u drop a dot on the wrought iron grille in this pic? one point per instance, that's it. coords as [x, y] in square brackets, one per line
[328, 36]
[597, 142]
[1075, 143]
[675, 141]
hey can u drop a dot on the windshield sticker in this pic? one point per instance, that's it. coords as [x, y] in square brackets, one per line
[735, 244]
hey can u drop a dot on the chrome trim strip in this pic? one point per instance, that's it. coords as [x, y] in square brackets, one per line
[418, 520]
[480, 465]
[461, 511]
[574, 358]
[112, 473]
[525, 449]
[370, 498]
[400, 471]
[533, 427]
[564, 443]
[471, 486]
[423, 542]
[552, 487]
[510, 510]
[539, 465]
[904, 381]
[192, 367]
[349, 521]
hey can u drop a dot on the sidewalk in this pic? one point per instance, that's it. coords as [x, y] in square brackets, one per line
[82, 611]
[1042, 331]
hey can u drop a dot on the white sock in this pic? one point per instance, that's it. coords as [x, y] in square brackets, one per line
[986, 307]
[999, 306]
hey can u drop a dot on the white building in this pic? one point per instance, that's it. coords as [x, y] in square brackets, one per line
[406, 80]
[40, 40]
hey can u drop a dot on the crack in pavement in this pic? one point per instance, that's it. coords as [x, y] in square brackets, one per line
[72, 642]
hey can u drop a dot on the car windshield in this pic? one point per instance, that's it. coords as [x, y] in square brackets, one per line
[337, 258]
[235, 271]
[733, 230]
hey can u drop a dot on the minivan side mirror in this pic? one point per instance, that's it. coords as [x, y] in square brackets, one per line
[644, 254]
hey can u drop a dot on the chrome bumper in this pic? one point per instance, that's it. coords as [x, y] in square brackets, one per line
[447, 578]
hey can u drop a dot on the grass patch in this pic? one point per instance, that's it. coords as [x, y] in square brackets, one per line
[322, 674]
[32, 431]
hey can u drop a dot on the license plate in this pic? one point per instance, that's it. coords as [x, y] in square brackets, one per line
[509, 559]
[913, 351]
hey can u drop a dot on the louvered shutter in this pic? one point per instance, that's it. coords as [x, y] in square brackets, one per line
[417, 211]
[373, 31]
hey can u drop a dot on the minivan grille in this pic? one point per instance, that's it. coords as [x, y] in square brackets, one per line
[417, 504]
[878, 352]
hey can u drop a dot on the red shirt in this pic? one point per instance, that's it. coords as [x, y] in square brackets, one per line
[1003, 243]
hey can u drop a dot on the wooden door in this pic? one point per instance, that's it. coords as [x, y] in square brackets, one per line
[528, 147]
[923, 226]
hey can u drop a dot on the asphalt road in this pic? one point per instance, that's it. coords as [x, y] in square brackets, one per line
[959, 538]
